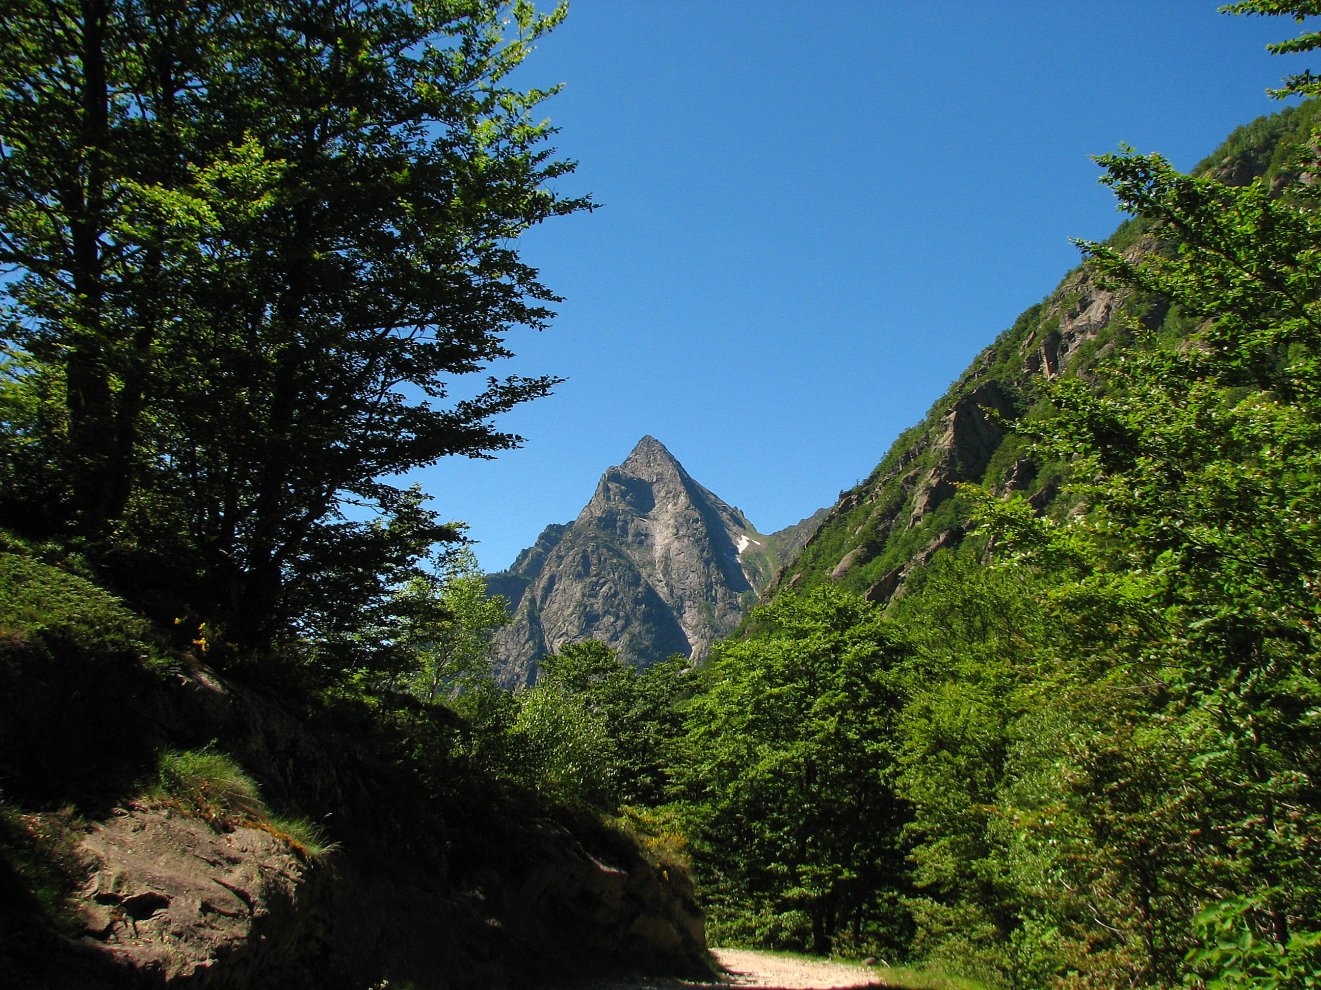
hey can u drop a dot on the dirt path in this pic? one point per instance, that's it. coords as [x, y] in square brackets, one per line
[744, 968]
[759, 969]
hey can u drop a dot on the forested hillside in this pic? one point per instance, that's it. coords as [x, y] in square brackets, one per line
[1039, 700]
[1037, 707]
[910, 506]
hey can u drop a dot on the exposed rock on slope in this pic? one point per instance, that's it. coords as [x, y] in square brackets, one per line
[880, 532]
[442, 877]
[654, 565]
[908, 509]
[171, 896]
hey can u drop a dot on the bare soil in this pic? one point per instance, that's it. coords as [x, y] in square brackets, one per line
[746, 968]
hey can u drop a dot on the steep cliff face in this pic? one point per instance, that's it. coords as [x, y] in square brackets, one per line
[909, 508]
[654, 565]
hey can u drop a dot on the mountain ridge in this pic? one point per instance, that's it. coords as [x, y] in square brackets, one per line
[909, 507]
[654, 565]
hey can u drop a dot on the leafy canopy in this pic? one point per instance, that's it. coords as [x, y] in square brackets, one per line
[251, 250]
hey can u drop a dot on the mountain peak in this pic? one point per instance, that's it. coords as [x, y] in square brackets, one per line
[654, 565]
[649, 454]
[651, 567]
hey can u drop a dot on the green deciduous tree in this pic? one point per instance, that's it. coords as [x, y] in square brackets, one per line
[788, 767]
[639, 709]
[562, 747]
[1187, 768]
[972, 690]
[445, 625]
[252, 247]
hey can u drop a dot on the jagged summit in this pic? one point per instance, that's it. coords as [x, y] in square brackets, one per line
[652, 462]
[650, 454]
[655, 564]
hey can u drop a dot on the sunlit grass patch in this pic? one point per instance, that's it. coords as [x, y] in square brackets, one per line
[924, 978]
[211, 785]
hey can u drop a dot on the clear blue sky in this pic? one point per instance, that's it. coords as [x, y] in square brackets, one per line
[813, 216]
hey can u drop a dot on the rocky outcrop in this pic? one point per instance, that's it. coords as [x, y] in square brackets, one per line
[654, 565]
[970, 434]
[436, 878]
[880, 532]
[171, 899]
[1084, 310]
[891, 585]
[610, 900]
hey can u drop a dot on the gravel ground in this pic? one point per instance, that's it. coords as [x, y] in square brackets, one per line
[763, 970]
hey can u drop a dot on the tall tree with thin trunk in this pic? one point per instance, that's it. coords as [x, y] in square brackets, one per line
[251, 248]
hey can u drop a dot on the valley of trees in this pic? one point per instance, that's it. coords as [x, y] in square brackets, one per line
[1082, 749]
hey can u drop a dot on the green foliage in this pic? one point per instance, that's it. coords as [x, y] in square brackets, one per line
[638, 709]
[590, 670]
[786, 769]
[593, 728]
[979, 639]
[255, 247]
[42, 601]
[1105, 731]
[1236, 954]
[660, 831]
[564, 748]
[443, 626]
[209, 784]
[1174, 767]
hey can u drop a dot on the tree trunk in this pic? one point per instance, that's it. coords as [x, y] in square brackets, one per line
[88, 393]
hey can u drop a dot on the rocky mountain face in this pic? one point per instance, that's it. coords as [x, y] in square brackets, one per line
[654, 565]
[910, 507]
